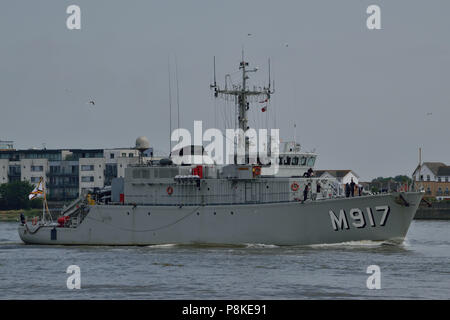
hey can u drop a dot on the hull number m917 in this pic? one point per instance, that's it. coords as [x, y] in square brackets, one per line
[359, 220]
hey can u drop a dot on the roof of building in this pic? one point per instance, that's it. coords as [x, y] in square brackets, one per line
[334, 173]
[27, 151]
[444, 171]
[434, 166]
[438, 168]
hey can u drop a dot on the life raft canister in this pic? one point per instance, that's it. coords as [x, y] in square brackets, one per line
[169, 190]
[294, 186]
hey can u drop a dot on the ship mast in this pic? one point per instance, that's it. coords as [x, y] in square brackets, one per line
[243, 94]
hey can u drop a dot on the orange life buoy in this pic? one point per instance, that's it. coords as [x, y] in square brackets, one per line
[169, 190]
[257, 171]
[294, 186]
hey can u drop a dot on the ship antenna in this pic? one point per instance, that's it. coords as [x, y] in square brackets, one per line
[243, 94]
[215, 83]
[178, 96]
[170, 106]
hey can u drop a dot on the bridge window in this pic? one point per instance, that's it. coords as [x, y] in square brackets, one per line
[311, 161]
[281, 160]
[287, 160]
[303, 161]
[295, 161]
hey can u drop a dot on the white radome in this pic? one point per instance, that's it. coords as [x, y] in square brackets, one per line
[142, 143]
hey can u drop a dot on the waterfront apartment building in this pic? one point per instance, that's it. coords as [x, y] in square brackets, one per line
[6, 145]
[67, 172]
[434, 177]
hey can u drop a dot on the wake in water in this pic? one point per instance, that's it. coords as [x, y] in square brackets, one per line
[261, 245]
[164, 246]
[358, 244]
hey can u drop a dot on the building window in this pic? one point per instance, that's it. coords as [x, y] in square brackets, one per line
[124, 155]
[111, 155]
[37, 168]
[446, 179]
[55, 169]
[131, 155]
[446, 191]
[87, 179]
[87, 168]
[439, 179]
[428, 177]
[428, 190]
[421, 177]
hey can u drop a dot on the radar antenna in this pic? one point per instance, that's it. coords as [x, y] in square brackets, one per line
[243, 94]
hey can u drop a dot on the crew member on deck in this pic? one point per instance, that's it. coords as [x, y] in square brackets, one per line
[352, 188]
[305, 192]
[347, 190]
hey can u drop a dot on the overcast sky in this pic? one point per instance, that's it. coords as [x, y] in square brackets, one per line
[363, 99]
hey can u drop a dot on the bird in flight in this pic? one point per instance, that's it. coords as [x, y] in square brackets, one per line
[92, 102]
[429, 113]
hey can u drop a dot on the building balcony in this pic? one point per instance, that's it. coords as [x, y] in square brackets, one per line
[62, 185]
[62, 174]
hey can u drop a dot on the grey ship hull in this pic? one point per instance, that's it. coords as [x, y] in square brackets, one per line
[289, 223]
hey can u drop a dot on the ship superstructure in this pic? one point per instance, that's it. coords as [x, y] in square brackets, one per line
[235, 203]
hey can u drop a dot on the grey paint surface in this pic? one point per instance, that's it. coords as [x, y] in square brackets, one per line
[291, 223]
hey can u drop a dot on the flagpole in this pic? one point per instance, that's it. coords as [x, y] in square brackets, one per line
[43, 203]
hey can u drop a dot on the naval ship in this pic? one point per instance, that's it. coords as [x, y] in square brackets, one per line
[168, 202]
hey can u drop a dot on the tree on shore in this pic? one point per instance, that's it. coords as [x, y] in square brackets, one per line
[382, 183]
[14, 196]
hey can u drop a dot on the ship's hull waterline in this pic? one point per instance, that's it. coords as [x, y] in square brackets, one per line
[376, 218]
